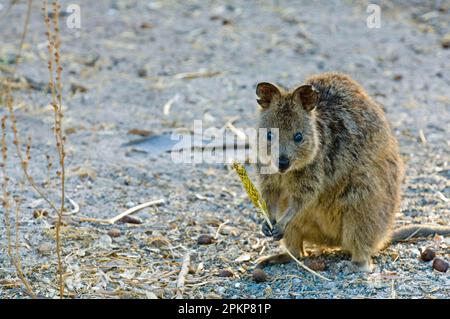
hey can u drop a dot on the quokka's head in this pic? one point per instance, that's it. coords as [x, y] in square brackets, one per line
[290, 120]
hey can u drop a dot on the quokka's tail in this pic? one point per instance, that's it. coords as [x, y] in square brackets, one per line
[418, 231]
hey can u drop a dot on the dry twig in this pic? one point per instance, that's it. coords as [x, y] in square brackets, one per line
[114, 219]
[182, 275]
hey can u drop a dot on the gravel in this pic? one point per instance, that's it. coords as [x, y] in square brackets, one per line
[235, 45]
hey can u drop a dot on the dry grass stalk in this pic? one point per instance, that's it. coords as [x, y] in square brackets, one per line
[135, 209]
[55, 84]
[196, 74]
[22, 158]
[252, 192]
[304, 266]
[5, 199]
[15, 260]
[24, 33]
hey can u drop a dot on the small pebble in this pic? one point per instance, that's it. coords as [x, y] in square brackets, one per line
[428, 254]
[191, 270]
[296, 281]
[259, 275]
[225, 273]
[142, 73]
[220, 290]
[205, 240]
[130, 204]
[158, 242]
[104, 242]
[114, 232]
[440, 265]
[45, 249]
[445, 42]
[146, 25]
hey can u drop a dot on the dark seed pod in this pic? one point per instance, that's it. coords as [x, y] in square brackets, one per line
[428, 254]
[259, 275]
[205, 240]
[316, 265]
[130, 220]
[440, 265]
[225, 273]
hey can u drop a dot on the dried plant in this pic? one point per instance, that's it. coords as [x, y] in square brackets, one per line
[55, 85]
[6, 203]
[252, 192]
[5, 199]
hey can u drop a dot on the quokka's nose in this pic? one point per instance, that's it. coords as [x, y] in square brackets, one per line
[283, 163]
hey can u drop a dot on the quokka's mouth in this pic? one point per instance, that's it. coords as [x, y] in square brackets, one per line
[283, 171]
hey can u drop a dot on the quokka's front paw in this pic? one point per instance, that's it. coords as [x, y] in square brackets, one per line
[278, 231]
[266, 228]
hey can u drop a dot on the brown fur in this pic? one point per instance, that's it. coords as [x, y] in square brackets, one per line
[342, 188]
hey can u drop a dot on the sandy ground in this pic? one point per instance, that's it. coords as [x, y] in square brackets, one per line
[124, 65]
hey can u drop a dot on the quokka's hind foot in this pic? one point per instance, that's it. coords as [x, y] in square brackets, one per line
[362, 266]
[362, 262]
[274, 260]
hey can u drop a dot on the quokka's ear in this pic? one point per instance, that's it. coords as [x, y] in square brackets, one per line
[307, 96]
[266, 92]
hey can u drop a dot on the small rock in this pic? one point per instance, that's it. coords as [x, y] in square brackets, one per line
[130, 205]
[440, 265]
[225, 273]
[142, 73]
[146, 25]
[220, 290]
[151, 295]
[243, 258]
[191, 270]
[45, 249]
[115, 232]
[315, 265]
[296, 281]
[428, 254]
[104, 242]
[158, 242]
[398, 77]
[77, 88]
[259, 275]
[445, 42]
[205, 240]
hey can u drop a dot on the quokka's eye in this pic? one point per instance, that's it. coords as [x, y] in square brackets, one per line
[298, 137]
[269, 135]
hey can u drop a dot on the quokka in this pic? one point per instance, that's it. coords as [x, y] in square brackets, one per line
[338, 173]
